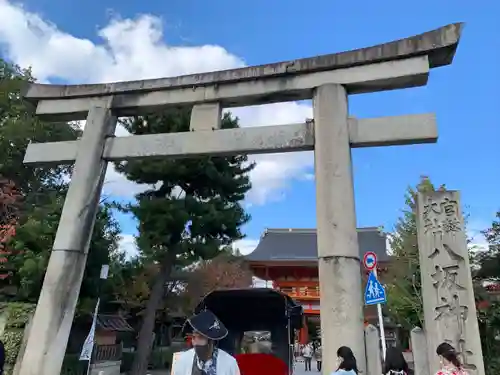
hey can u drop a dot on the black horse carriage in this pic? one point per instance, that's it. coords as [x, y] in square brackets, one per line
[256, 310]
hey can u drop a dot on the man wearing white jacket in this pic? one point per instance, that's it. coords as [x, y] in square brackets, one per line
[205, 358]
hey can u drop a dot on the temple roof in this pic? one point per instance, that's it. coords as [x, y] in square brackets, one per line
[301, 245]
[114, 323]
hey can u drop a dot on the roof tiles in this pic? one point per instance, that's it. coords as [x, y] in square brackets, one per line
[301, 245]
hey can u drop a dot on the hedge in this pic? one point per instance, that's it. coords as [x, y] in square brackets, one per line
[17, 316]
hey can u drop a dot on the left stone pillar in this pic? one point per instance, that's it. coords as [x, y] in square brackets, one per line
[55, 310]
[342, 322]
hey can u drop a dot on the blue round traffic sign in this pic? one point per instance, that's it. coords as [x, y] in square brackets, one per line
[370, 260]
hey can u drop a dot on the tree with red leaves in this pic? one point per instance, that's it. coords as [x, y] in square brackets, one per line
[223, 272]
[10, 205]
[10, 201]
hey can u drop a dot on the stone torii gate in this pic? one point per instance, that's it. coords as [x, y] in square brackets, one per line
[327, 79]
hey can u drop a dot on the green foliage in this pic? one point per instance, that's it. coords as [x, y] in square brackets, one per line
[37, 187]
[487, 263]
[103, 250]
[34, 239]
[404, 299]
[31, 248]
[17, 316]
[19, 127]
[489, 327]
[42, 192]
[12, 340]
[486, 271]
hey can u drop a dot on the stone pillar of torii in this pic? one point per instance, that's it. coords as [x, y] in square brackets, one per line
[327, 79]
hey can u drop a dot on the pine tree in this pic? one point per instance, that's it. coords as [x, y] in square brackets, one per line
[192, 210]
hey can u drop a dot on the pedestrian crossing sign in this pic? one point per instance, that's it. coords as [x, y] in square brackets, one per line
[374, 291]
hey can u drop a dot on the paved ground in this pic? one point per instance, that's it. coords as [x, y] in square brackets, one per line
[299, 370]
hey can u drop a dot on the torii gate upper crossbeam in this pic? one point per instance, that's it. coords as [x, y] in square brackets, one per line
[438, 45]
[371, 69]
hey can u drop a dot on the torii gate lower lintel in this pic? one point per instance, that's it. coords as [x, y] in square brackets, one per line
[331, 134]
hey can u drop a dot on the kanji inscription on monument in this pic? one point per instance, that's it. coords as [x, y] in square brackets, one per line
[448, 296]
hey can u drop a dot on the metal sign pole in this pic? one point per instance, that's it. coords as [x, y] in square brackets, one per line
[381, 324]
[373, 289]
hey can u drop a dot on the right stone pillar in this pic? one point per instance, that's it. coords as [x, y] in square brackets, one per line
[342, 321]
[447, 290]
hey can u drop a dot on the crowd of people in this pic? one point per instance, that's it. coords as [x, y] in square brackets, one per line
[309, 351]
[394, 364]
[204, 358]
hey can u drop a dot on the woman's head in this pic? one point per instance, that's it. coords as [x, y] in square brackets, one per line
[346, 359]
[448, 355]
[395, 361]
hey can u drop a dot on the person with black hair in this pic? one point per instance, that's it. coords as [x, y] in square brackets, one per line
[205, 358]
[346, 362]
[319, 357]
[395, 363]
[450, 363]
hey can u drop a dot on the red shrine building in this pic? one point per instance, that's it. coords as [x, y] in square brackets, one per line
[288, 258]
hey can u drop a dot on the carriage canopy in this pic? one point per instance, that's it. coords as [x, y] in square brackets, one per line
[255, 309]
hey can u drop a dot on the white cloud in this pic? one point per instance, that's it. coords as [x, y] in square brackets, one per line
[131, 49]
[273, 172]
[246, 245]
[118, 186]
[477, 241]
[127, 245]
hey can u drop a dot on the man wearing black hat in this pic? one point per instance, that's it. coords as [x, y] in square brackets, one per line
[205, 358]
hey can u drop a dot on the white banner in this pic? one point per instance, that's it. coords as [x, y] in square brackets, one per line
[104, 272]
[88, 345]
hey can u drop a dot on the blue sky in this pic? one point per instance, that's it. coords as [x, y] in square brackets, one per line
[464, 95]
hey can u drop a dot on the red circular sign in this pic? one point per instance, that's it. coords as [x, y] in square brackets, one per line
[370, 260]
